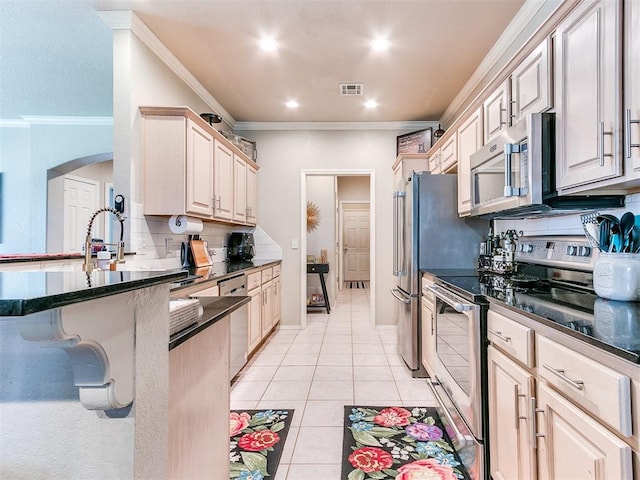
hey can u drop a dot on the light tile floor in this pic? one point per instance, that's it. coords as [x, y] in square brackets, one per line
[339, 359]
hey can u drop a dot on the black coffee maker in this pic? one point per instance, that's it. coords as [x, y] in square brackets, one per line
[241, 247]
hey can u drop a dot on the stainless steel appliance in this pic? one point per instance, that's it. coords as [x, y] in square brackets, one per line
[239, 323]
[514, 174]
[428, 234]
[240, 247]
[460, 381]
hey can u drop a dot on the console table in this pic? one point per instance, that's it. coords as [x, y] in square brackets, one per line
[320, 269]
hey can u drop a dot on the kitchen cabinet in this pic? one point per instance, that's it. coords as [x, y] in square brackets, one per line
[198, 405]
[252, 195]
[405, 164]
[511, 389]
[469, 136]
[223, 181]
[263, 287]
[530, 84]
[190, 168]
[433, 161]
[427, 320]
[587, 84]
[255, 318]
[495, 112]
[631, 90]
[267, 307]
[240, 209]
[277, 309]
[573, 445]
[447, 153]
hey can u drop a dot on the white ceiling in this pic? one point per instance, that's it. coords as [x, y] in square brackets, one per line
[56, 54]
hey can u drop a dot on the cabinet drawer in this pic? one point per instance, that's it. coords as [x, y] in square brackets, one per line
[267, 275]
[253, 280]
[598, 389]
[276, 271]
[207, 292]
[511, 337]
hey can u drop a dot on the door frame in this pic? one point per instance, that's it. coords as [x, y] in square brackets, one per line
[303, 234]
[341, 236]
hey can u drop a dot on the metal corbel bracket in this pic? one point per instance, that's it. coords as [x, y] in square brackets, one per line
[98, 337]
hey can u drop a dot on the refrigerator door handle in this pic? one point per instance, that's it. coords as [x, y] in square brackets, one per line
[396, 293]
[398, 234]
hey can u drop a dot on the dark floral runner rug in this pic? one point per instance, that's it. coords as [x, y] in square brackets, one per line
[257, 439]
[399, 443]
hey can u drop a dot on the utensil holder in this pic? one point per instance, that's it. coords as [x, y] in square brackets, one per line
[616, 276]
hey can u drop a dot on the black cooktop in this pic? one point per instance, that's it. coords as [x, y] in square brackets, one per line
[563, 301]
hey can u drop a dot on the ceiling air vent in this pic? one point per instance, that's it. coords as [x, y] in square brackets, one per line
[351, 88]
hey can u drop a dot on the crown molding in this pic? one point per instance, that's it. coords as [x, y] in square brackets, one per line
[527, 17]
[13, 123]
[334, 125]
[66, 120]
[128, 20]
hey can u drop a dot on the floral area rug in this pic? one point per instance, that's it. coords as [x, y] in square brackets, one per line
[257, 439]
[399, 443]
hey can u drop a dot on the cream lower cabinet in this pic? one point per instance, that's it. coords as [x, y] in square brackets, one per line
[255, 318]
[267, 307]
[469, 141]
[427, 320]
[198, 405]
[264, 309]
[572, 445]
[511, 389]
[277, 308]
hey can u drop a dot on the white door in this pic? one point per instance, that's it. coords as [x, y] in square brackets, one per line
[355, 224]
[80, 202]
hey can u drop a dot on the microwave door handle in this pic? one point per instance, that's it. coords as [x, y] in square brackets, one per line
[509, 149]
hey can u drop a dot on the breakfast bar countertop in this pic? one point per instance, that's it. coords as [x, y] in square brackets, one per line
[23, 293]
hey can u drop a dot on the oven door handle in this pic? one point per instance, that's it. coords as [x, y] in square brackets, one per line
[459, 304]
[460, 437]
[396, 293]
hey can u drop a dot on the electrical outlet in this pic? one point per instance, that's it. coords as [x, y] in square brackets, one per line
[294, 244]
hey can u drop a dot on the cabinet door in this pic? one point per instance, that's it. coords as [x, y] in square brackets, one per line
[255, 318]
[531, 84]
[495, 113]
[573, 445]
[252, 195]
[510, 428]
[587, 73]
[223, 182]
[267, 308]
[448, 153]
[428, 337]
[469, 141]
[276, 300]
[199, 170]
[434, 162]
[239, 190]
[632, 82]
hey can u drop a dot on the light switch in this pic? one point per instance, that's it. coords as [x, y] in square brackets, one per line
[294, 244]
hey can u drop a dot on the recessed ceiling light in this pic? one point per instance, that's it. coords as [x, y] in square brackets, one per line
[371, 104]
[380, 44]
[268, 44]
[292, 104]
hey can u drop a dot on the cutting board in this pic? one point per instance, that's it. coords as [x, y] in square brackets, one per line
[199, 253]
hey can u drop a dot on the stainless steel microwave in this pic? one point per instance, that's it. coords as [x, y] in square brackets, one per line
[514, 174]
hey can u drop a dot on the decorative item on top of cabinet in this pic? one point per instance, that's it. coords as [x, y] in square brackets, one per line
[469, 136]
[188, 167]
[588, 71]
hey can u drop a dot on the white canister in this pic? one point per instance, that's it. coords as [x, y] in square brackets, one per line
[616, 276]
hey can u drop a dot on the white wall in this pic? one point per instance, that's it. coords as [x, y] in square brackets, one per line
[353, 189]
[282, 156]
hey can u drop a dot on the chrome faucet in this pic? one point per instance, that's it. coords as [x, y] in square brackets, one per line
[88, 265]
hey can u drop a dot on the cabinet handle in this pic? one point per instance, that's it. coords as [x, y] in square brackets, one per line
[219, 201]
[578, 384]
[601, 139]
[534, 420]
[213, 205]
[499, 334]
[516, 400]
[627, 132]
[432, 326]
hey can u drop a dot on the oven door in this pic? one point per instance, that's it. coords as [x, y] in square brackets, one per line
[459, 355]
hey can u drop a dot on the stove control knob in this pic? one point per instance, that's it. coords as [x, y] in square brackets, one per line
[572, 250]
[526, 248]
[584, 251]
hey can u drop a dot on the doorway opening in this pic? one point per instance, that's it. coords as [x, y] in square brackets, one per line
[343, 239]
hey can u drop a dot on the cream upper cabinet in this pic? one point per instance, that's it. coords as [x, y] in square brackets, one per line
[199, 170]
[572, 445]
[469, 141]
[587, 80]
[448, 153]
[531, 83]
[223, 181]
[252, 195]
[433, 161]
[512, 447]
[496, 113]
[240, 209]
[632, 83]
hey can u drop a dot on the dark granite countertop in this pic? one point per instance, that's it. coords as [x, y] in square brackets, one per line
[220, 271]
[23, 293]
[215, 309]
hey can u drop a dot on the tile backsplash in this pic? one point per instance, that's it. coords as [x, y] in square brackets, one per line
[561, 224]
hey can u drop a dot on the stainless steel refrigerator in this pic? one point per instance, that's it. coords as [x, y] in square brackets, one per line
[428, 234]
